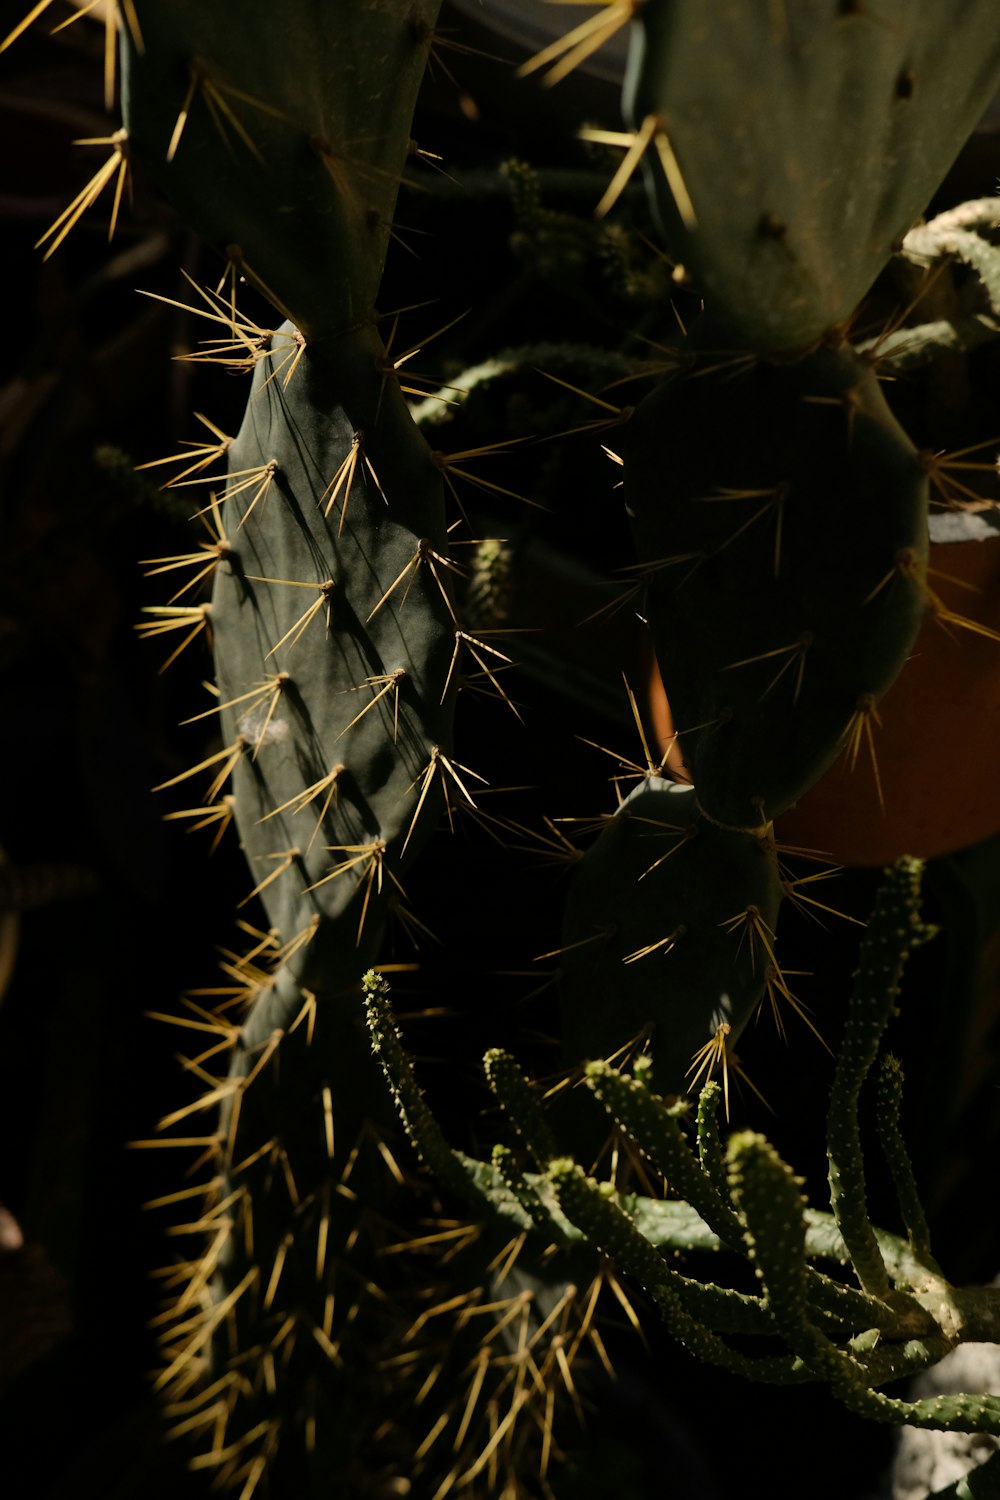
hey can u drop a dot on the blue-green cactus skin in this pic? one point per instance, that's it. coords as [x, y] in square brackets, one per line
[804, 140]
[779, 515]
[336, 602]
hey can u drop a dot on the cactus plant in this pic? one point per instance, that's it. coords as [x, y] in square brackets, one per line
[902, 1316]
[847, 121]
[779, 516]
[698, 882]
[812, 615]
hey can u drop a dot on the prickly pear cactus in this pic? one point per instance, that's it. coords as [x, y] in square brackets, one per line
[779, 510]
[334, 636]
[687, 911]
[793, 145]
[333, 640]
[780, 516]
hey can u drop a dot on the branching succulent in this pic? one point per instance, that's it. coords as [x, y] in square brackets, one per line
[897, 1316]
[779, 513]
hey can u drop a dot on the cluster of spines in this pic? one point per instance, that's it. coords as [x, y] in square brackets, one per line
[253, 712]
[496, 1376]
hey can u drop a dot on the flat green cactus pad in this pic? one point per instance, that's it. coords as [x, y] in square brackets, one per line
[798, 141]
[780, 515]
[669, 929]
[333, 642]
[283, 142]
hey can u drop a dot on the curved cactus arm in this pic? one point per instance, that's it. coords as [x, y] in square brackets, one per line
[678, 1226]
[959, 1413]
[895, 928]
[771, 1209]
[675, 1226]
[606, 1224]
[520, 1103]
[654, 1128]
[812, 1312]
[775, 1233]
[958, 234]
[722, 1309]
[841, 1307]
[525, 1192]
[909, 347]
[825, 1242]
[711, 1152]
[421, 1126]
[498, 1189]
[719, 1308]
[887, 1106]
[501, 1189]
[773, 1212]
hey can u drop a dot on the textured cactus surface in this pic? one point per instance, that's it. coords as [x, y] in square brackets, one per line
[333, 639]
[334, 636]
[799, 142]
[284, 143]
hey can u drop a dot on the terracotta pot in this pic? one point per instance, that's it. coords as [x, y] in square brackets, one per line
[936, 743]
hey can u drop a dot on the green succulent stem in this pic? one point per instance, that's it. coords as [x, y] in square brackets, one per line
[420, 1123]
[656, 1132]
[888, 1100]
[894, 929]
[520, 1103]
[606, 1224]
[711, 1152]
